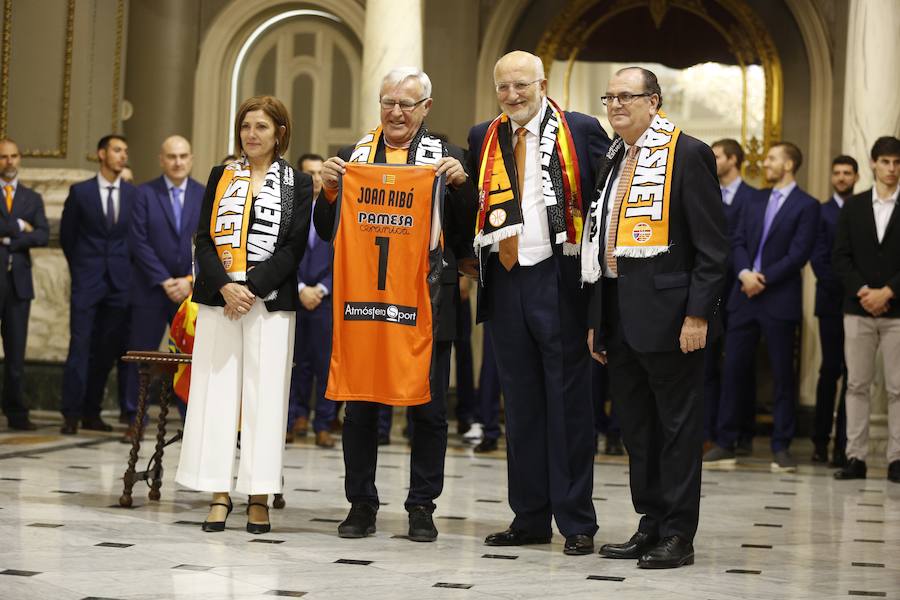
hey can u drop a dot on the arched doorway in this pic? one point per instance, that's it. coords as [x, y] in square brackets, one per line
[715, 59]
[257, 46]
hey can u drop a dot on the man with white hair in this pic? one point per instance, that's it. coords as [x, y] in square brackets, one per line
[402, 138]
[535, 175]
[163, 222]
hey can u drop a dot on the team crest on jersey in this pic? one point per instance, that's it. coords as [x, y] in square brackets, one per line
[497, 217]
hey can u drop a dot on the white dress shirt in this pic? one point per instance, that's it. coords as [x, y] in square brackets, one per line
[883, 209]
[730, 190]
[611, 200]
[104, 191]
[534, 241]
[838, 199]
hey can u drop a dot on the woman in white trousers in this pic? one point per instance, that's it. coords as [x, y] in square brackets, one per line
[253, 229]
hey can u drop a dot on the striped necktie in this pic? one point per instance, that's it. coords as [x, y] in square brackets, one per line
[624, 184]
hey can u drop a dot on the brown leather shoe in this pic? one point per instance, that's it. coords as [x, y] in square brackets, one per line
[324, 439]
[301, 427]
[289, 437]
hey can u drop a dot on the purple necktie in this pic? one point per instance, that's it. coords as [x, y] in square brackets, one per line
[771, 211]
[176, 207]
[110, 207]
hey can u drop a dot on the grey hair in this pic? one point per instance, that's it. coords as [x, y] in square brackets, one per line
[398, 75]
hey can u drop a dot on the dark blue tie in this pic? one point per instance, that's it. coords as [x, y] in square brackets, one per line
[110, 207]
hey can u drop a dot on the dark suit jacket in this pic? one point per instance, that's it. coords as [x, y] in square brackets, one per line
[28, 206]
[158, 250]
[460, 205]
[278, 272]
[656, 294]
[788, 247]
[829, 293]
[732, 218]
[315, 268]
[591, 143]
[99, 258]
[860, 260]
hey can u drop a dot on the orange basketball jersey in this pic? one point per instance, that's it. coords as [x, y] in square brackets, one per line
[387, 261]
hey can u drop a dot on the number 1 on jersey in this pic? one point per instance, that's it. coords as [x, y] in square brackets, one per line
[384, 246]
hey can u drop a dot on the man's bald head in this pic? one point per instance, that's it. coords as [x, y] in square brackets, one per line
[9, 159]
[176, 159]
[520, 85]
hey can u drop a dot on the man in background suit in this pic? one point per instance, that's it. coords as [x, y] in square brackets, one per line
[735, 192]
[829, 299]
[866, 259]
[653, 309]
[163, 222]
[93, 234]
[533, 307]
[22, 226]
[312, 341]
[773, 241]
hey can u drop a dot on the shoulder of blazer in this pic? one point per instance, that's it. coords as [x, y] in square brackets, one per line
[87, 186]
[801, 196]
[154, 186]
[129, 190]
[480, 130]
[858, 202]
[195, 186]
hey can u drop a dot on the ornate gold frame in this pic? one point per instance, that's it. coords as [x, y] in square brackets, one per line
[117, 67]
[5, 56]
[747, 38]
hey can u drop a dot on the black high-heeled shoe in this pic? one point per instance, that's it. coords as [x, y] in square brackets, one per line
[258, 527]
[210, 526]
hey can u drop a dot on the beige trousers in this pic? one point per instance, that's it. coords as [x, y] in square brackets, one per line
[240, 373]
[863, 336]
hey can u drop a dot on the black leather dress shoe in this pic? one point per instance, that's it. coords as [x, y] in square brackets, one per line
[820, 453]
[95, 424]
[360, 522]
[515, 537]
[70, 427]
[485, 445]
[21, 424]
[670, 553]
[633, 549]
[854, 469]
[894, 471]
[421, 525]
[577, 545]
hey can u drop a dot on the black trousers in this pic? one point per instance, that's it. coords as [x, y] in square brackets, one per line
[658, 398]
[539, 338]
[428, 439]
[14, 314]
[831, 335]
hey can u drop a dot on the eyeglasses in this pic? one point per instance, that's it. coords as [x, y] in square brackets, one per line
[405, 105]
[520, 86]
[624, 99]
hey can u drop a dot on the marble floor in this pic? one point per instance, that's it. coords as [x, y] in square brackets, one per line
[762, 535]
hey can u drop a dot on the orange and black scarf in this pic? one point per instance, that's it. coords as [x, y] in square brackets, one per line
[500, 209]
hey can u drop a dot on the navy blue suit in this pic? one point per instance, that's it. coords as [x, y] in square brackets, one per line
[100, 266]
[712, 375]
[159, 250]
[312, 341]
[829, 310]
[17, 291]
[537, 318]
[774, 313]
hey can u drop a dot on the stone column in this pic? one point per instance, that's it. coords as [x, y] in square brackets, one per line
[163, 38]
[871, 110]
[393, 38]
[871, 101]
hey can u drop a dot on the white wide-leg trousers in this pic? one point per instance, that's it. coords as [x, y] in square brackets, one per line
[241, 372]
